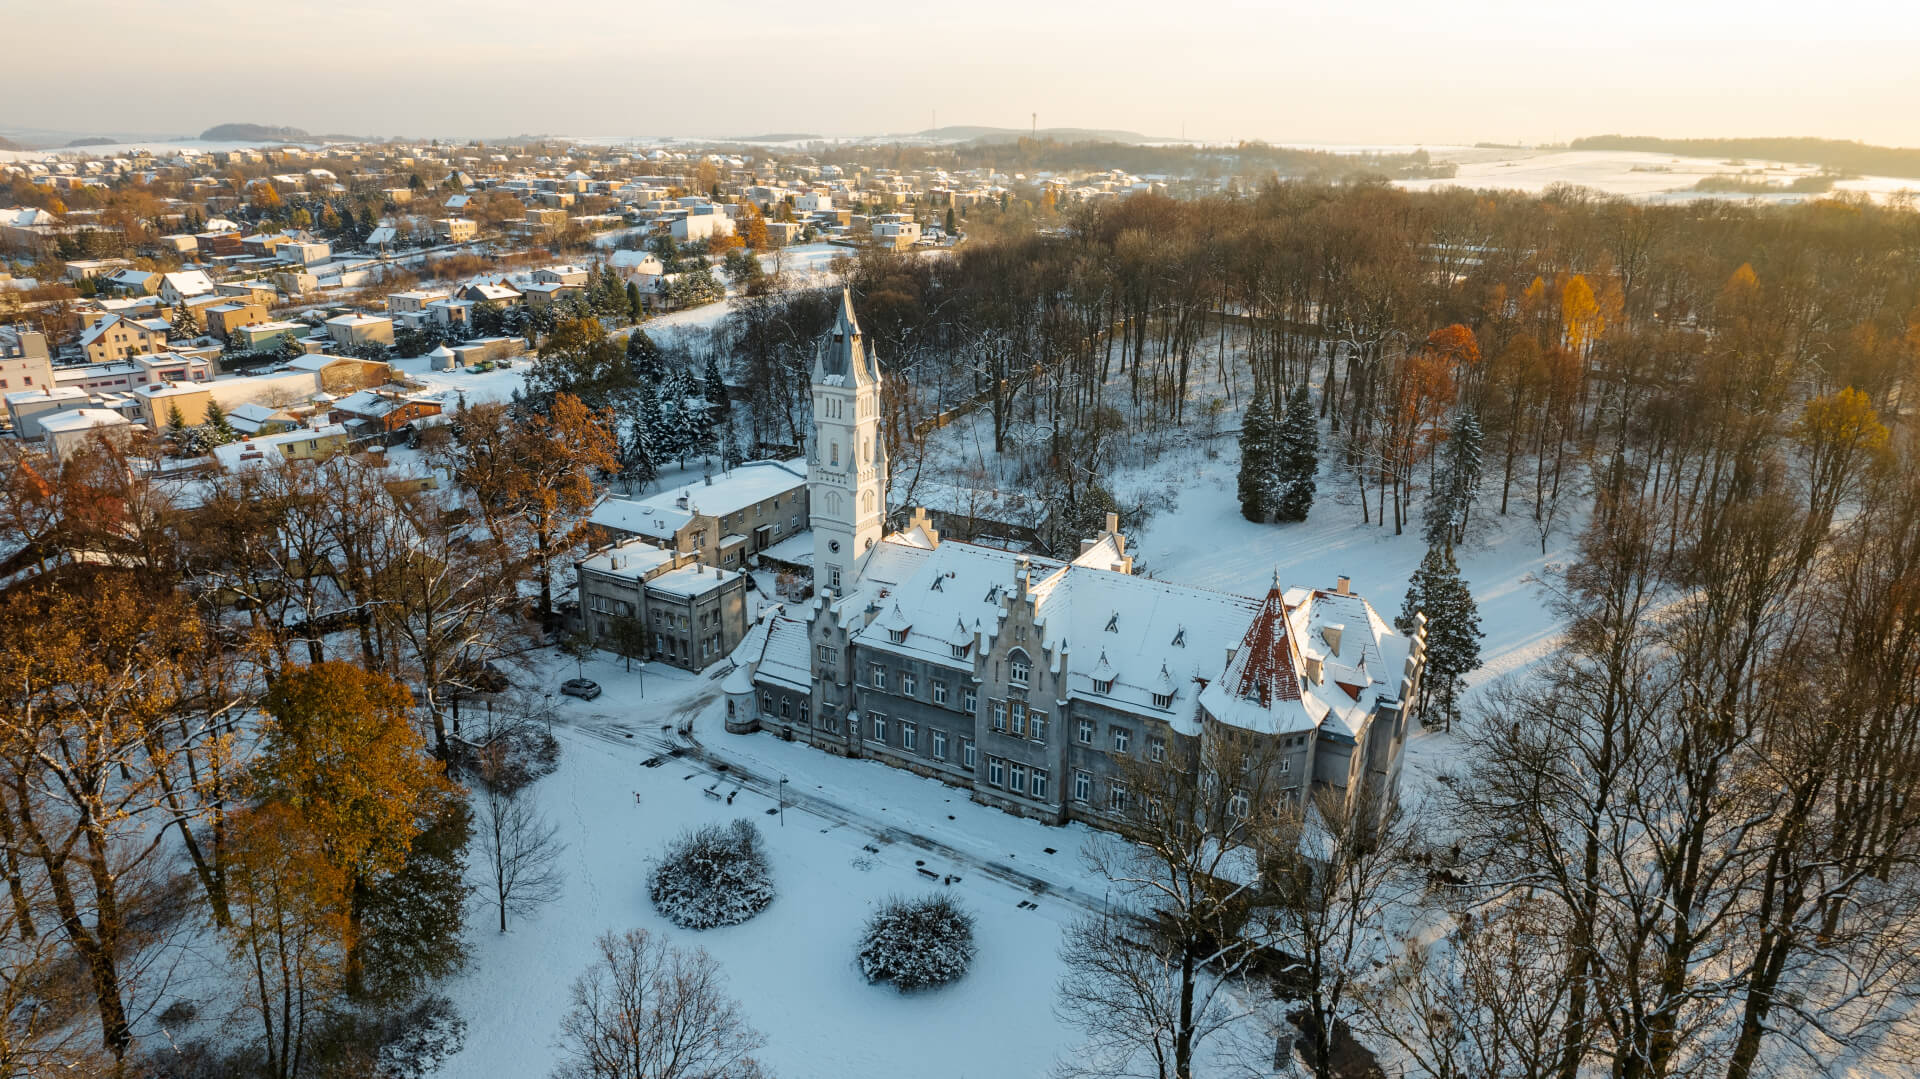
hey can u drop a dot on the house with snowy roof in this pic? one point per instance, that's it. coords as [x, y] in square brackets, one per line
[723, 521]
[1030, 681]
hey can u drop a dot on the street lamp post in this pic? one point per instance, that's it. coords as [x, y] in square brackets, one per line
[783, 801]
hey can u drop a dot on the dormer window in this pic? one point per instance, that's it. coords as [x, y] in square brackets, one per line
[1103, 687]
[1113, 624]
[897, 636]
[959, 651]
[1163, 700]
[1180, 637]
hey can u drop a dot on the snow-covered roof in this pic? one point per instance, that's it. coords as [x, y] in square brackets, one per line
[729, 493]
[80, 419]
[632, 560]
[691, 580]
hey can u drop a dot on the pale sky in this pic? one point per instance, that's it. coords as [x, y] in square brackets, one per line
[1388, 71]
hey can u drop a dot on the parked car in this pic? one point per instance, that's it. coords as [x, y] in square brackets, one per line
[583, 688]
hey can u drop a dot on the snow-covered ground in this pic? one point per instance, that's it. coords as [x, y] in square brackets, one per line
[805, 266]
[1645, 176]
[793, 966]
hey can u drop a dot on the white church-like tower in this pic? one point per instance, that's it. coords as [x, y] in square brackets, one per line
[847, 461]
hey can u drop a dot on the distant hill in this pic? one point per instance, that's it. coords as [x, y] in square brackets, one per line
[243, 132]
[1839, 155]
[9, 144]
[962, 133]
[92, 140]
[795, 136]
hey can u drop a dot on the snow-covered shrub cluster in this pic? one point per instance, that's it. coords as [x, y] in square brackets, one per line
[916, 943]
[713, 875]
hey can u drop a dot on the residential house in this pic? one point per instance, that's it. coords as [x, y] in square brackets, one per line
[113, 337]
[378, 415]
[184, 285]
[224, 319]
[25, 364]
[69, 432]
[456, 230]
[358, 329]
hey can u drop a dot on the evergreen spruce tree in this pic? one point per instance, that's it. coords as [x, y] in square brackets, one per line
[1297, 457]
[733, 453]
[643, 357]
[636, 310]
[714, 387]
[219, 430]
[182, 322]
[1453, 631]
[637, 464]
[176, 428]
[1256, 461]
[1458, 483]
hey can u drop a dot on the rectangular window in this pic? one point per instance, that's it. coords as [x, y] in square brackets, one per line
[906, 683]
[1017, 778]
[1019, 670]
[1237, 805]
[877, 676]
[999, 715]
[1116, 797]
[1157, 751]
[1082, 786]
[1085, 732]
[879, 727]
[967, 756]
[996, 771]
[939, 693]
[973, 702]
[909, 735]
[939, 745]
[1019, 719]
[1037, 726]
[833, 577]
[1286, 764]
[1039, 787]
[1122, 738]
[824, 654]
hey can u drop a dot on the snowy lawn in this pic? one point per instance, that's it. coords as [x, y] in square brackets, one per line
[794, 966]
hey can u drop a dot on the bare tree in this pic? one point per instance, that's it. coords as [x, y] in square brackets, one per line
[1152, 980]
[522, 849]
[648, 1010]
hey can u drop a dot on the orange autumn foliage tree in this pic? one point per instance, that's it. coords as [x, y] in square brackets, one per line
[550, 483]
[290, 930]
[340, 754]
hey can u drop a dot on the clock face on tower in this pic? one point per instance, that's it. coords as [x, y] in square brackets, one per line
[833, 545]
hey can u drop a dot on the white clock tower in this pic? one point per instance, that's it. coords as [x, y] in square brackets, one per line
[847, 462]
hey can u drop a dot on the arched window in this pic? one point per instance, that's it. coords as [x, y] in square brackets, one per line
[1019, 667]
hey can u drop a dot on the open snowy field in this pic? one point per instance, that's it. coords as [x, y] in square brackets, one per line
[1645, 176]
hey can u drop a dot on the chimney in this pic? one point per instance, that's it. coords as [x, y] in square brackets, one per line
[1316, 670]
[1343, 585]
[1113, 522]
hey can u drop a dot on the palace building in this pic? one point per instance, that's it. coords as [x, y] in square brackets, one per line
[1025, 679]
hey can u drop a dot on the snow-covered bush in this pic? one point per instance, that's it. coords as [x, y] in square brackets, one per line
[713, 875]
[916, 943]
